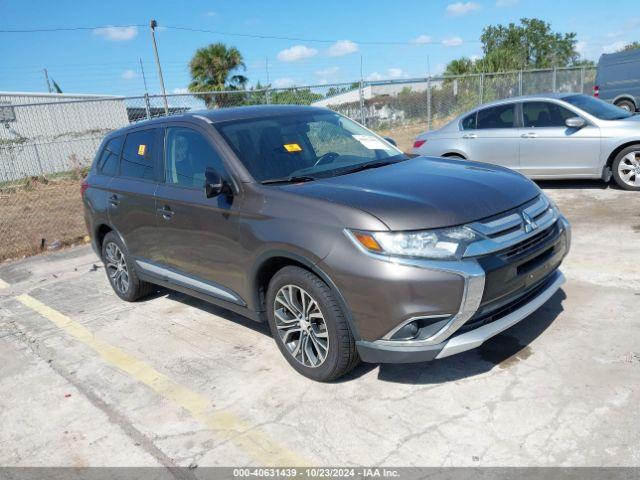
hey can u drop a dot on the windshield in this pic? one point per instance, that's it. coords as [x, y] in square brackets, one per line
[598, 108]
[305, 145]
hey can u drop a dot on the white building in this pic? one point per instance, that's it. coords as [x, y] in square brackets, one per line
[42, 133]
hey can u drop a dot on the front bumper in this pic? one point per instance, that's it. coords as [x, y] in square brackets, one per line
[498, 293]
[387, 352]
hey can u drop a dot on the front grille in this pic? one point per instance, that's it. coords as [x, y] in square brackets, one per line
[530, 244]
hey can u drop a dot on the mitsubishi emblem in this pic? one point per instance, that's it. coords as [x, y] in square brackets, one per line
[529, 224]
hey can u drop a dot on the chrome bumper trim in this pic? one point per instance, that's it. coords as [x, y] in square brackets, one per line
[475, 338]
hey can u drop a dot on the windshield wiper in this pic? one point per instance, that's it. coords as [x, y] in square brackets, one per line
[291, 179]
[366, 166]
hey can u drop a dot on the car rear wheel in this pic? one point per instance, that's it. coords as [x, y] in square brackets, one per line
[626, 168]
[309, 325]
[120, 272]
[626, 105]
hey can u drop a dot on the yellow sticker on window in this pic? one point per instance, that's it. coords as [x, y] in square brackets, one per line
[292, 147]
[142, 149]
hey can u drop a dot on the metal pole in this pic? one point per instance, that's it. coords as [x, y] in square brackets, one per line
[153, 25]
[266, 66]
[146, 92]
[555, 78]
[361, 94]
[46, 76]
[520, 83]
[582, 80]
[481, 88]
[429, 103]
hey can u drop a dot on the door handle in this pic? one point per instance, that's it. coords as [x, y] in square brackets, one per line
[529, 135]
[166, 212]
[470, 136]
[113, 200]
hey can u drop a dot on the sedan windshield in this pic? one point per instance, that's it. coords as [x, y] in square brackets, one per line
[598, 108]
[306, 146]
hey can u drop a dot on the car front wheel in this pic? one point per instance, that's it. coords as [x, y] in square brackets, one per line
[309, 325]
[626, 168]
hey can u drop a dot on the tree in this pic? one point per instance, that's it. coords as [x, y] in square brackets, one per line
[630, 46]
[212, 69]
[530, 44]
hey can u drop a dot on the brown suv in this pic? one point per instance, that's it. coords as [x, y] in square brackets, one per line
[303, 218]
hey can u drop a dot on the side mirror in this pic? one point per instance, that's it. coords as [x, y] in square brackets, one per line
[391, 141]
[214, 185]
[575, 122]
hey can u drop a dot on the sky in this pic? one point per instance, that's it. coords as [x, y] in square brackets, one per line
[326, 41]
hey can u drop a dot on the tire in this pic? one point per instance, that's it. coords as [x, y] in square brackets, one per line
[626, 168]
[118, 265]
[626, 104]
[324, 320]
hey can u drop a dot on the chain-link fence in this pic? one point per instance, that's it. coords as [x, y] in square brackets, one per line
[48, 141]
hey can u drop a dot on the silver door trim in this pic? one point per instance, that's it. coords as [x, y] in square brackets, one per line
[189, 281]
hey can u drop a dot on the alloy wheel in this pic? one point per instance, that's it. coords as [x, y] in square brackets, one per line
[301, 325]
[629, 169]
[116, 267]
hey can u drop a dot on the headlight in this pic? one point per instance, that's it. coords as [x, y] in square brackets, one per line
[442, 244]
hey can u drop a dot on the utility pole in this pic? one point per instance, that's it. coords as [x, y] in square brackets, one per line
[46, 76]
[266, 66]
[153, 25]
[363, 118]
[147, 107]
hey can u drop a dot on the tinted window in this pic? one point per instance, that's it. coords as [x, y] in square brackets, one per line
[187, 156]
[108, 162]
[138, 155]
[598, 108]
[469, 123]
[501, 116]
[544, 114]
[308, 144]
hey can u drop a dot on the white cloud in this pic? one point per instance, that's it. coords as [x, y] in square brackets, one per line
[116, 34]
[506, 3]
[295, 53]
[181, 90]
[614, 47]
[283, 82]
[390, 74]
[129, 74]
[327, 72]
[342, 47]
[461, 8]
[452, 42]
[422, 39]
[211, 14]
[581, 48]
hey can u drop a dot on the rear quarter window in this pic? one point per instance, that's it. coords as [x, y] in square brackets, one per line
[109, 159]
[469, 122]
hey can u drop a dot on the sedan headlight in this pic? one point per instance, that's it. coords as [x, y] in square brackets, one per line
[441, 244]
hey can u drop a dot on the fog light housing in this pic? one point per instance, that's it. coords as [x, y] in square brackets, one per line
[407, 332]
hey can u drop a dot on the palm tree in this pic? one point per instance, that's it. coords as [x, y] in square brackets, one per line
[211, 70]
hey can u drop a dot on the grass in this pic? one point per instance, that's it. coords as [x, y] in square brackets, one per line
[38, 212]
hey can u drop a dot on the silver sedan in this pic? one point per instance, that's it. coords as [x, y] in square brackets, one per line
[550, 136]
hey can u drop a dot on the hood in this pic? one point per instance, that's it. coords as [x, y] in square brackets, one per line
[425, 192]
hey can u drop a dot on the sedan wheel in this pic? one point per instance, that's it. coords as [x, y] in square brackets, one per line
[629, 169]
[301, 325]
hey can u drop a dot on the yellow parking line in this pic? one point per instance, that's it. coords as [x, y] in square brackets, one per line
[252, 441]
[3, 284]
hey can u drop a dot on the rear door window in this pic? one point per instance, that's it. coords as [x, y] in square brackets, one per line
[109, 159]
[138, 155]
[502, 116]
[544, 114]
